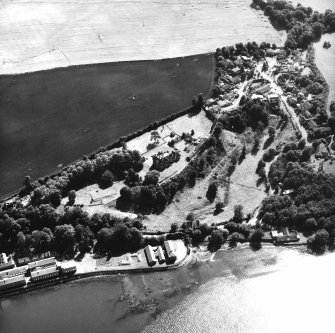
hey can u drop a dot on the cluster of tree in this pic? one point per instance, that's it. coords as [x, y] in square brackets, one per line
[102, 169]
[252, 113]
[145, 197]
[36, 229]
[120, 238]
[318, 242]
[217, 239]
[312, 195]
[228, 54]
[302, 24]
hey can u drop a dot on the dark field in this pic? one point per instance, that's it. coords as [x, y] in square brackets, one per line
[53, 117]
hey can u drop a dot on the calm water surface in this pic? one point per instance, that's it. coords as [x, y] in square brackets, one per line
[240, 291]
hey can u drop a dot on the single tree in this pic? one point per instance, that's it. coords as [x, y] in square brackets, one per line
[72, 197]
[238, 214]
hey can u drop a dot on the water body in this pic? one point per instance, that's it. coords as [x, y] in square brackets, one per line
[54, 117]
[273, 290]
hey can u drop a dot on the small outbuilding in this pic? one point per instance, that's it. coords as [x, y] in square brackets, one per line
[160, 255]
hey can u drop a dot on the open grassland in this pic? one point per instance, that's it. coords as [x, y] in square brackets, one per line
[240, 188]
[45, 34]
[325, 60]
[53, 117]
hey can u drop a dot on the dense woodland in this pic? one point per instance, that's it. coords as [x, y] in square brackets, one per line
[310, 205]
[303, 25]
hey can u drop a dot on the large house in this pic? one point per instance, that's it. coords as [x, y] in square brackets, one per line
[163, 160]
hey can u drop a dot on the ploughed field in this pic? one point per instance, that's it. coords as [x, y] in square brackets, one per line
[36, 35]
[54, 117]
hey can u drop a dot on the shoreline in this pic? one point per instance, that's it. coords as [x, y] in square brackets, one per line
[94, 274]
[145, 270]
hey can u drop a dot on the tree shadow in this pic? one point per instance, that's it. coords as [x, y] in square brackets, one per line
[218, 211]
[79, 256]
[268, 142]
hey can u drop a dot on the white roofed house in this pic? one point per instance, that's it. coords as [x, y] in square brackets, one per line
[150, 255]
[160, 255]
[12, 282]
[43, 274]
[42, 263]
[170, 251]
[13, 272]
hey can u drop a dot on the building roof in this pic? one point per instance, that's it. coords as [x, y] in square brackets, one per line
[255, 96]
[236, 79]
[43, 272]
[322, 148]
[322, 130]
[236, 70]
[3, 258]
[160, 253]
[43, 262]
[150, 254]
[312, 124]
[264, 89]
[12, 272]
[274, 233]
[170, 249]
[12, 280]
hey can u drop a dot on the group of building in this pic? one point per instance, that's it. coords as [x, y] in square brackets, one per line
[30, 271]
[157, 254]
[228, 84]
[284, 236]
